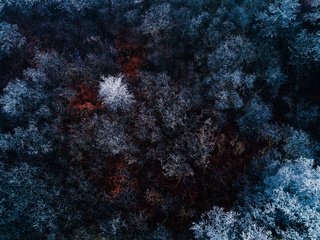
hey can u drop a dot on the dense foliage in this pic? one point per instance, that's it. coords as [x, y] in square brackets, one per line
[138, 119]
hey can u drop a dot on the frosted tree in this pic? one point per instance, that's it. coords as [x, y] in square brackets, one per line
[26, 100]
[275, 78]
[111, 138]
[78, 5]
[216, 224]
[30, 141]
[256, 119]
[306, 47]
[313, 16]
[157, 19]
[227, 81]
[231, 54]
[176, 166]
[287, 202]
[253, 232]
[27, 142]
[226, 88]
[115, 94]
[161, 233]
[15, 95]
[26, 6]
[279, 18]
[24, 200]
[23, 5]
[284, 206]
[10, 39]
[304, 114]
[299, 144]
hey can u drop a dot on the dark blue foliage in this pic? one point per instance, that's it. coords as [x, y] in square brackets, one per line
[131, 119]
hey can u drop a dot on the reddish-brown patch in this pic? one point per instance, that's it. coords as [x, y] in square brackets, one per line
[130, 55]
[86, 99]
[119, 180]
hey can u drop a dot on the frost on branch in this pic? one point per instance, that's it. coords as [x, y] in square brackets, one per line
[115, 94]
[10, 39]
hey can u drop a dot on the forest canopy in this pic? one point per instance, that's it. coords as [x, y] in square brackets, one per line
[159, 120]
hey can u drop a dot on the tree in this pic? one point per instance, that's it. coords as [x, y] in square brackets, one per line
[26, 6]
[10, 39]
[256, 119]
[227, 81]
[157, 19]
[22, 5]
[41, 202]
[299, 144]
[24, 200]
[284, 205]
[226, 88]
[231, 54]
[313, 16]
[216, 224]
[173, 111]
[78, 6]
[305, 47]
[176, 166]
[287, 201]
[160, 233]
[253, 232]
[275, 78]
[279, 18]
[115, 94]
[28, 99]
[231, 18]
[304, 115]
[16, 95]
[111, 138]
[30, 141]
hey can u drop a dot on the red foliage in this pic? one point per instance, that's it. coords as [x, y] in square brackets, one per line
[118, 181]
[130, 55]
[86, 99]
[130, 68]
